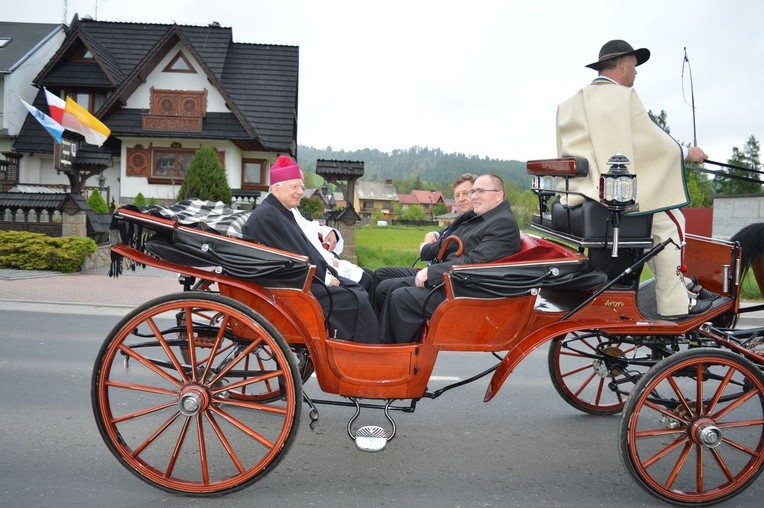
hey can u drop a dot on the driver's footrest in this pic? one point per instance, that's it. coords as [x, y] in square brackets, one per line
[371, 438]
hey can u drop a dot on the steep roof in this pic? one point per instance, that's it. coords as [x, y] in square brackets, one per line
[43, 200]
[339, 168]
[428, 197]
[407, 199]
[421, 197]
[258, 81]
[24, 37]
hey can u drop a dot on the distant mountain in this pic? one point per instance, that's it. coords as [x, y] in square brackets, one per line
[428, 164]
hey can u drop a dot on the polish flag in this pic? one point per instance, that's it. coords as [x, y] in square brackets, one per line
[56, 106]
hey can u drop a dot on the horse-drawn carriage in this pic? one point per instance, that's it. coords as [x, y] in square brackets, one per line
[200, 392]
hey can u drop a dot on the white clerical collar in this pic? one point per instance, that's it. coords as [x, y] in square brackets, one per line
[604, 79]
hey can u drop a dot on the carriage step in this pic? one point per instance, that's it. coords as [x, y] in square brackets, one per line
[371, 438]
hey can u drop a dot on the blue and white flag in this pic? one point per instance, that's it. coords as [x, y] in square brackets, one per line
[54, 128]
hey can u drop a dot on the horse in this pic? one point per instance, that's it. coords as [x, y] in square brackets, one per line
[751, 240]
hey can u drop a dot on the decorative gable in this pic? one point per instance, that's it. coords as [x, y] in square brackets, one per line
[180, 64]
[175, 110]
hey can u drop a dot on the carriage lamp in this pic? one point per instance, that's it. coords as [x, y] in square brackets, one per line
[618, 192]
[618, 187]
[543, 183]
[544, 186]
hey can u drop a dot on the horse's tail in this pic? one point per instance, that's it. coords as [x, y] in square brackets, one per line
[751, 240]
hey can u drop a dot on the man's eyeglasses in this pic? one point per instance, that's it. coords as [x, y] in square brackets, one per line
[293, 187]
[479, 192]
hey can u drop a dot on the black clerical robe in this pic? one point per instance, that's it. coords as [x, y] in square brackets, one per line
[352, 317]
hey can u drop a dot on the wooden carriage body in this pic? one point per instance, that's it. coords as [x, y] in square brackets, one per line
[516, 319]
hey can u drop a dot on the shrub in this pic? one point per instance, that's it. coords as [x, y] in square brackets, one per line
[312, 207]
[414, 212]
[206, 178]
[34, 251]
[97, 203]
[140, 200]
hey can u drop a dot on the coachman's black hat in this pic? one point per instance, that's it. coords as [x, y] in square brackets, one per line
[618, 48]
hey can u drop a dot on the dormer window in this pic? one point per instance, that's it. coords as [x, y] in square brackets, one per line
[180, 64]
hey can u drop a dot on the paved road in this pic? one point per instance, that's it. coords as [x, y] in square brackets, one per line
[525, 448]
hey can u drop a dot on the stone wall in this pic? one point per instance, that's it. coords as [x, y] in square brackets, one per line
[99, 259]
[732, 213]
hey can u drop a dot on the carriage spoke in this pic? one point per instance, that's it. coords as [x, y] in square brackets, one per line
[142, 388]
[720, 461]
[719, 391]
[215, 347]
[155, 434]
[225, 442]
[679, 464]
[248, 381]
[243, 427]
[235, 361]
[202, 450]
[143, 412]
[680, 396]
[178, 446]
[151, 365]
[735, 404]
[166, 347]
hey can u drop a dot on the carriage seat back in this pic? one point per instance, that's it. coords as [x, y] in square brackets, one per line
[585, 224]
[535, 248]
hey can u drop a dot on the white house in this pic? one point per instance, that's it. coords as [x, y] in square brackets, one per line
[165, 91]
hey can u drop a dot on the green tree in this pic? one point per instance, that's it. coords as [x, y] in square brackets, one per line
[748, 157]
[312, 180]
[312, 207]
[376, 216]
[698, 186]
[439, 209]
[97, 203]
[206, 178]
[140, 199]
[661, 119]
[524, 203]
[414, 212]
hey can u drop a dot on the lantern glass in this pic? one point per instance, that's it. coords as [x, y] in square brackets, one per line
[624, 189]
[608, 189]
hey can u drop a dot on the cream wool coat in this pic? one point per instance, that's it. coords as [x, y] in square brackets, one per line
[604, 119]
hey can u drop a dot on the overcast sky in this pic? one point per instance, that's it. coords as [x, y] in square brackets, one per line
[482, 77]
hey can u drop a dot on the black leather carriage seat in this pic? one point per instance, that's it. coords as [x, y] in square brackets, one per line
[587, 224]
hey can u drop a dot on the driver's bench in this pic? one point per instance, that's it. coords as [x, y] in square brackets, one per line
[590, 225]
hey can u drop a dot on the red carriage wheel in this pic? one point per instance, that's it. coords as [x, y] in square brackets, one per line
[173, 421]
[584, 365]
[692, 431]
